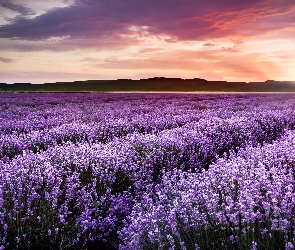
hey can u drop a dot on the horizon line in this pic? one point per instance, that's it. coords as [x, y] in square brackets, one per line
[150, 78]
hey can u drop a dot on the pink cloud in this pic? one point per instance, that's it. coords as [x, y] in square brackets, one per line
[208, 64]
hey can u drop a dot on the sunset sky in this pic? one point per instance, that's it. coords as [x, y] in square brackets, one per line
[65, 40]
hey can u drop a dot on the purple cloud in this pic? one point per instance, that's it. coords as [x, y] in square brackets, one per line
[177, 19]
[97, 18]
[24, 11]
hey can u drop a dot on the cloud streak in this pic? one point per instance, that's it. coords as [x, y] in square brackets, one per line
[5, 60]
[24, 11]
[208, 44]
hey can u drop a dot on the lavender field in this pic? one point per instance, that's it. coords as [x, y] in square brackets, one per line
[147, 171]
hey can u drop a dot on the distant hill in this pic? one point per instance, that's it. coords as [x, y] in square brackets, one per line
[152, 84]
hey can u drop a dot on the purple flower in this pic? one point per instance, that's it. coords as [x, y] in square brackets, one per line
[254, 245]
[232, 238]
[289, 246]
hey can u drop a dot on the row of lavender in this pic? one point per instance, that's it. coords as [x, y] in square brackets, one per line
[38, 122]
[43, 121]
[77, 192]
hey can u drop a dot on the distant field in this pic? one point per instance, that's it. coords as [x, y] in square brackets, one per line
[147, 171]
